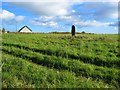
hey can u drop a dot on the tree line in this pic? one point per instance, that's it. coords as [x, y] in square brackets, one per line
[3, 30]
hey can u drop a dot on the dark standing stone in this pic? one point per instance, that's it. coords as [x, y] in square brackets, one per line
[73, 30]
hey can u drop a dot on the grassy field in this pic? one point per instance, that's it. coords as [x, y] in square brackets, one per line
[60, 60]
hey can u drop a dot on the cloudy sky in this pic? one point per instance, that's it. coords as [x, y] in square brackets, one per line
[94, 17]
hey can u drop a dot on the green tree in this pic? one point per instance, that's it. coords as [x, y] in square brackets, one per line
[83, 32]
[8, 31]
[3, 30]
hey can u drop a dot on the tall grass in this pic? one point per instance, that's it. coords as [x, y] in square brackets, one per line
[94, 59]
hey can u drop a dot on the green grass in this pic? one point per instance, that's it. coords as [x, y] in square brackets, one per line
[19, 73]
[59, 60]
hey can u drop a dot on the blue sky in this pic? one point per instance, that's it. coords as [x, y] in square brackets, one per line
[91, 17]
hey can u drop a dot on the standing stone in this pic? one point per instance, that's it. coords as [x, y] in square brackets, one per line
[73, 30]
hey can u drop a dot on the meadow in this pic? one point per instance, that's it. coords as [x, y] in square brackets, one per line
[60, 61]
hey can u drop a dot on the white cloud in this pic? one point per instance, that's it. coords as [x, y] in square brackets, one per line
[73, 11]
[43, 18]
[114, 24]
[61, 1]
[52, 23]
[19, 18]
[92, 23]
[52, 20]
[8, 17]
[103, 10]
[77, 20]
[49, 23]
[45, 8]
[65, 17]
[51, 13]
[114, 15]
[68, 20]
[64, 7]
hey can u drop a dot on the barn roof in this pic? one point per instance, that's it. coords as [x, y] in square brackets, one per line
[24, 27]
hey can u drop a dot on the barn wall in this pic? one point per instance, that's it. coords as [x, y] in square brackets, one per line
[25, 30]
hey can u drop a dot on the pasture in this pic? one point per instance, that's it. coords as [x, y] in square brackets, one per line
[60, 60]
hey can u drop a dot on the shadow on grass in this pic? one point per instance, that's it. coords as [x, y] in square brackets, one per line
[86, 59]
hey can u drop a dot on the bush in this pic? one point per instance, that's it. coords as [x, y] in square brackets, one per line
[8, 31]
[83, 32]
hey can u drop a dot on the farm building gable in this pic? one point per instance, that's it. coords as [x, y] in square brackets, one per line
[25, 29]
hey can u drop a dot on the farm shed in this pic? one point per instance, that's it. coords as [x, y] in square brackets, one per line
[25, 29]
